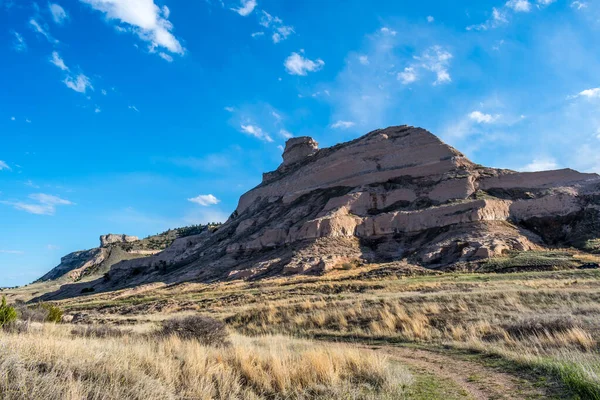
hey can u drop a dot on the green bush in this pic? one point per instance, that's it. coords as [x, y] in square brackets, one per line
[8, 314]
[54, 313]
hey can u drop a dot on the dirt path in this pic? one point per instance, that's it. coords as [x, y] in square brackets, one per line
[476, 381]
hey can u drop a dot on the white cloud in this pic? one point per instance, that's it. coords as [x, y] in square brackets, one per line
[12, 118]
[286, 134]
[482, 118]
[257, 34]
[257, 132]
[205, 200]
[52, 247]
[134, 108]
[545, 2]
[165, 56]
[267, 19]
[59, 15]
[282, 33]
[364, 60]
[430, 19]
[498, 18]
[579, 5]
[296, 64]
[97, 110]
[42, 30]
[58, 61]
[589, 93]
[4, 165]
[342, 125]
[19, 43]
[44, 204]
[229, 109]
[146, 19]
[104, 92]
[388, 31]
[79, 83]
[246, 7]
[519, 5]
[407, 76]
[541, 164]
[436, 59]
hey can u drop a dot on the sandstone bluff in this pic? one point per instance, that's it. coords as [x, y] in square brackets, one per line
[395, 194]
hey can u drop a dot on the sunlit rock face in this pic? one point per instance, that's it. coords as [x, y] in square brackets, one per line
[398, 193]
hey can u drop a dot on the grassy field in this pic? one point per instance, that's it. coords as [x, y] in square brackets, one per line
[544, 324]
[49, 362]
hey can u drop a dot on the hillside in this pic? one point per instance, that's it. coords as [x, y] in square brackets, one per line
[113, 249]
[395, 194]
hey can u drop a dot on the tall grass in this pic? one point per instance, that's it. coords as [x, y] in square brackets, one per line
[50, 363]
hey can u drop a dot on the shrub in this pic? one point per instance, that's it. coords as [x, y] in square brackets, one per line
[54, 313]
[32, 313]
[8, 314]
[207, 331]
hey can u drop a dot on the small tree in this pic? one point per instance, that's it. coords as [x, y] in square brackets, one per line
[8, 314]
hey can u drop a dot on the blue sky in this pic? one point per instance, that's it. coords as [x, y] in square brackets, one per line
[134, 116]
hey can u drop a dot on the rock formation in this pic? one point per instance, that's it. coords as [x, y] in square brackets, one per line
[111, 238]
[393, 194]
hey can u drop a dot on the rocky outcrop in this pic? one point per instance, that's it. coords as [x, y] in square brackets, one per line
[111, 238]
[394, 194]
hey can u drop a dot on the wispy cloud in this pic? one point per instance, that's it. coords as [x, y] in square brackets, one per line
[483, 118]
[4, 166]
[519, 5]
[19, 43]
[579, 5]
[541, 164]
[43, 204]
[246, 7]
[42, 30]
[59, 15]
[297, 64]
[205, 200]
[257, 132]
[58, 61]
[144, 18]
[11, 251]
[593, 93]
[435, 59]
[500, 15]
[343, 124]
[77, 82]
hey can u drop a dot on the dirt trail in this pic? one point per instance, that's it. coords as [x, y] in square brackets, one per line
[478, 381]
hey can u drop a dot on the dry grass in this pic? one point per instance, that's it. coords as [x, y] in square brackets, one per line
[542, 319]
[50, 363]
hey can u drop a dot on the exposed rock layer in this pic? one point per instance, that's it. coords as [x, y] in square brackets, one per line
[396, 193]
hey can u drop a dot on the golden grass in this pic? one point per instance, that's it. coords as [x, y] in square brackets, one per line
[49, 363]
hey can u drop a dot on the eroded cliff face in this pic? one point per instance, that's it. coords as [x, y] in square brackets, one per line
[395, 193]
